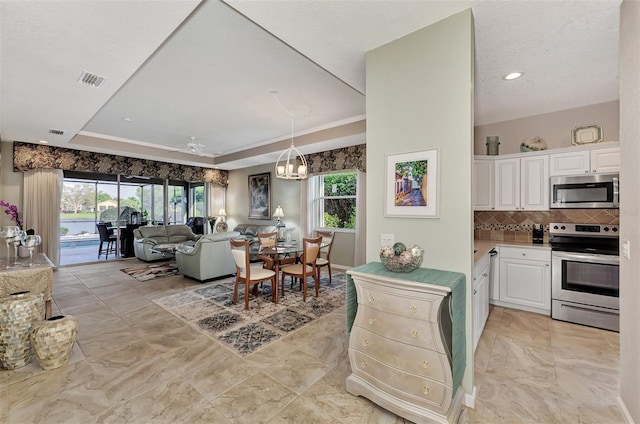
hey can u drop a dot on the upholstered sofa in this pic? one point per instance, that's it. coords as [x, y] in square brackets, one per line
[210, 257]
[146, 238]
[251, 231]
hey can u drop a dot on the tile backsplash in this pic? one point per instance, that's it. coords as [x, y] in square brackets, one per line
[517, 226]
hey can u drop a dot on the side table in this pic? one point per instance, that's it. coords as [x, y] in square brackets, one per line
[22, 277]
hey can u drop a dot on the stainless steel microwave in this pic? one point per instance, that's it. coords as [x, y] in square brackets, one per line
[597, 191]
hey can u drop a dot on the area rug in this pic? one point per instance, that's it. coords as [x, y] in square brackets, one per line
[209, 309]
[150, 271]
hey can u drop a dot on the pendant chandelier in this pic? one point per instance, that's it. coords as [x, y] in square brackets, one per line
[291, 164]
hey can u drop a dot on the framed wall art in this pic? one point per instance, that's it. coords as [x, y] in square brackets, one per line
[260, 196]
[411, 185]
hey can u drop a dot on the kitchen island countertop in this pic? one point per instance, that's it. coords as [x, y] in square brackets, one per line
[482, 247]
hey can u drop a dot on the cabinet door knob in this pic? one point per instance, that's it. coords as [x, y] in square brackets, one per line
[371, 298]
[593, 170]
[586, 171]
[524, 254]
[425, 390]
[365, 343]
[485, 275]
[425, 364]
[475, 291]
[372, 321]
[546, 264]
[414, 309]
[414, 333]
[364, 364]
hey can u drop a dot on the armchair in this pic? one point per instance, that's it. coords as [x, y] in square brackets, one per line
[210, 257]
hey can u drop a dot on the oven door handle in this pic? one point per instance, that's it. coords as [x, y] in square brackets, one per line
[601, 259]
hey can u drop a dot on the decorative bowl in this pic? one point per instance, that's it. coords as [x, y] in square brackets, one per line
[406, 261]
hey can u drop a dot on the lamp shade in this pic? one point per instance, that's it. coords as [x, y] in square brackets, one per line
[279, 213]
[221, 211]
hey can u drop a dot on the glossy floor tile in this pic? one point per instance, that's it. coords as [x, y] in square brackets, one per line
[134, 362]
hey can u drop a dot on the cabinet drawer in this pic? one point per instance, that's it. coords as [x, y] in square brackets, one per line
[418, 390]
[411, 331]
[412, 304]
[532, 254]
[423, 362]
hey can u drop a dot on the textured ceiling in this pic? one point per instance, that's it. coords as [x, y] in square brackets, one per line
[178, 69]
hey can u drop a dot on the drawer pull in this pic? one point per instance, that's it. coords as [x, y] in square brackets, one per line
[414, 309]
[364, 364]
[372, 321]
[425, 364]
[425, 390]
[365, 342]
[371, 298]
[414, 333]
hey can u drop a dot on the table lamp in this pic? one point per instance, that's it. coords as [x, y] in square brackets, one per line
[221, 226]
[280, 225]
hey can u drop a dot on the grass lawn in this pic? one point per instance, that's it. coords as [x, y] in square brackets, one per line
[80, 215]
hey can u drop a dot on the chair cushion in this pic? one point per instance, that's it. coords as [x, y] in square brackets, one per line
[321, 261]
[258, 273]
[296, 269]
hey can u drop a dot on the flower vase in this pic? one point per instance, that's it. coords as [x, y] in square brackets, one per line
[19, 312]
[53, 340]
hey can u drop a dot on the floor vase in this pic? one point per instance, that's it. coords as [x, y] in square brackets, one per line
[19, 312]
[53, 340]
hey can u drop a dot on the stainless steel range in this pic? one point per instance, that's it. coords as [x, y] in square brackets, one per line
[585, 274]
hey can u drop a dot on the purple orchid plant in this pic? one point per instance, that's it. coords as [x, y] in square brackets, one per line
[12, 211]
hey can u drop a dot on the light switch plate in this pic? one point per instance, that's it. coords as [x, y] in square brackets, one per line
[626, 249]
[386, 240]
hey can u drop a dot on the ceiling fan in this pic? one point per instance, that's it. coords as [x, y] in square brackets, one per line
[192, 147]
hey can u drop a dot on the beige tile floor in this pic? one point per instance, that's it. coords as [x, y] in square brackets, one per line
[136, 363]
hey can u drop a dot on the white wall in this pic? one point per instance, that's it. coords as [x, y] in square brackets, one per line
[420, 96]
[630, 208]
[555, 127]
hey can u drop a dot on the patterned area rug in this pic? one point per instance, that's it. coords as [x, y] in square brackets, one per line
[210, 310]
[150, 271]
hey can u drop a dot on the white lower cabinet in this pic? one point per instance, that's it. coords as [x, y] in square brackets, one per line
[525, 279]
[481, 283]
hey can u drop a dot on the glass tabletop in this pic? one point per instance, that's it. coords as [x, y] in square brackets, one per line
[280, 249]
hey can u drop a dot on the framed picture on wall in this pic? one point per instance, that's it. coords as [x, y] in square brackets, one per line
[411, 185]
[260, 196]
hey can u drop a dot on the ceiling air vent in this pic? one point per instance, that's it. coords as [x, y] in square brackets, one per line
[91, 79]
[56, 132]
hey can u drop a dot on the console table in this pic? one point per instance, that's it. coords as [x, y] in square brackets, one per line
[22, 277]
[407, 340]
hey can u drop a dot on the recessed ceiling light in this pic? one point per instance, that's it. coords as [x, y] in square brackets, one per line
[513, 75]
[43, 141]
[126, 119]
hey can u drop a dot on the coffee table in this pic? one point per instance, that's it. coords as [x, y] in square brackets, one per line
[165, 248]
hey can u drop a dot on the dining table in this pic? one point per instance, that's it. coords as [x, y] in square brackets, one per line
[279, 253]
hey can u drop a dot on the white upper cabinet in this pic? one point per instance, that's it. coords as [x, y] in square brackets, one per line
[534, 183]
[522, 183]
[605, 161]
[596, 161]
[482, 185]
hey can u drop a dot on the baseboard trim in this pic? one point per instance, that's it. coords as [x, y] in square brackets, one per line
[625, 411]
[470, 399]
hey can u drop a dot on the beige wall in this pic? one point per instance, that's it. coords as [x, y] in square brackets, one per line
[630, 208]
[555, 128]
[10, 187]
[420, 96]
[284, 193]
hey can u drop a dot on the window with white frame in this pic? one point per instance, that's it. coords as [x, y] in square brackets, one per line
[333, 200]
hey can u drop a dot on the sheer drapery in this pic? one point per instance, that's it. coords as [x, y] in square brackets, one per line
[42, 195]
[360, 254]
[216, 199]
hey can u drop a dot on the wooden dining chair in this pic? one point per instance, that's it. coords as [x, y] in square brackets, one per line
[267, 241]
[248, 275]
[327, 240]
[307, 266]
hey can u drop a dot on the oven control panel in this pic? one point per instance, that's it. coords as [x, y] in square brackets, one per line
[585, 230]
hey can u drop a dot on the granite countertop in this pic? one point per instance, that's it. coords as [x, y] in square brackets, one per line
[484, 246]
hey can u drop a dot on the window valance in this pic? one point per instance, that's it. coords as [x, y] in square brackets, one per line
[27, 156]
[353, 157]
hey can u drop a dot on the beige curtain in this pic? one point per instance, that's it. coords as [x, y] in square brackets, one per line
[360, 254]
[216, 197]
[42, 195]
